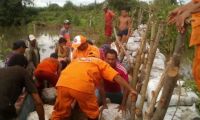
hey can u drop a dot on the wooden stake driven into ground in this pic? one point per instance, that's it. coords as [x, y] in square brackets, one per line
[147, 51]
[137, 66]
[170, 79]
[149, 112]
[150, 60]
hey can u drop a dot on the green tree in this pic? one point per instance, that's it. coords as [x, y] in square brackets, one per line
[12, 12]
[54, 7]
[69, 5]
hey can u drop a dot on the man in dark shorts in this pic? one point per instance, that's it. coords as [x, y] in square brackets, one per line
[124, 25]
[13, 79]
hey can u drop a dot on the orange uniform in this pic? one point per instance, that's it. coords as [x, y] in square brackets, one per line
[77, 82]
[47, 70]
[91, 49]
[195, 41]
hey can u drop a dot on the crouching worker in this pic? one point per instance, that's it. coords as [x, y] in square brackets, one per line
[77, 82]
[49, 70]
[113, 89]
[13, 79]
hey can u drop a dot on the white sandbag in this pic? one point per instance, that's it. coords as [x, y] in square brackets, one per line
[133, 47]
[112, 113]
[156, 74]
[160, 56]
[48, 109]
[151, 87]
[49, 94]
[134, 53]
[158, 64]
[129, 52]
[136, 34]
[183, 113]
[133, 40]
[113, 46]
[187, 98]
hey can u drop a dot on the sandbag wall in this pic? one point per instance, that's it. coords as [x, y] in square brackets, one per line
[187, 97]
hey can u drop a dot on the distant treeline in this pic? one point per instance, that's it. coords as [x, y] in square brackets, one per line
[21, 12]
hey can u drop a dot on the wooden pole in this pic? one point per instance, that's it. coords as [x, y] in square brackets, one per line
[149, 111]
[150, 60]
[137, 66]
[170, 79]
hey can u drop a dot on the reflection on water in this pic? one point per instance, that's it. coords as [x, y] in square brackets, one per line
[46, 44]
[46, 39]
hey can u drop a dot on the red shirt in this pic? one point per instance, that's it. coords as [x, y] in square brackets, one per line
[109, 17]
[114, 87]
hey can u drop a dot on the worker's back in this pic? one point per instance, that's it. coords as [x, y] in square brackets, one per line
[12, 81]
[83, 74]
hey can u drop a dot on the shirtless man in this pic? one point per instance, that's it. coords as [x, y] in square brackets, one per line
[124, 25]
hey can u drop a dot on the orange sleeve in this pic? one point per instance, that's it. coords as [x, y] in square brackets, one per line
[107, 72]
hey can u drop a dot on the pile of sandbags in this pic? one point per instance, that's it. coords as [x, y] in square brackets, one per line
[48, 109]
[187, 97]
[133, 45]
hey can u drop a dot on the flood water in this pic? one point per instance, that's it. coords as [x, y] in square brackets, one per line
[46, 39]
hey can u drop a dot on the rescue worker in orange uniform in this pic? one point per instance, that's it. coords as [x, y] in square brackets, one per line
[78, 81]
[178, 17]
[82, 48]
[49, 69]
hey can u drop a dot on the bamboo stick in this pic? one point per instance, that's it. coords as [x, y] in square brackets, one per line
[150, 60]
[137, 66]
[149, 112]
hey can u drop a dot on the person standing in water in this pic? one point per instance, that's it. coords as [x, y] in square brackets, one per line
[65, 32]
[32, 52]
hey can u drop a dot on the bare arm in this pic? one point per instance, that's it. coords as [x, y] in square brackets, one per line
[38, 105]
[123, 83]
[196, 11]
[178, 11]
[125, 96]
[124, 99]
[194, 7]
[102, 93]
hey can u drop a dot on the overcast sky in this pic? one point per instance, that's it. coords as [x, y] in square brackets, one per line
[43, 3]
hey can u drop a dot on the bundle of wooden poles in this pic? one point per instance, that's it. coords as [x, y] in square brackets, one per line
[142, 68]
